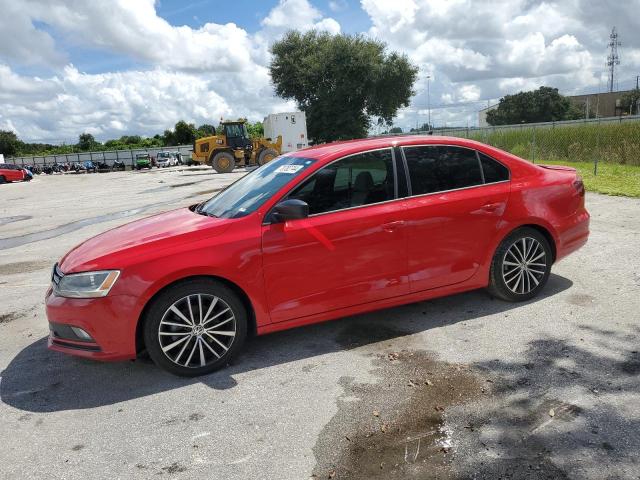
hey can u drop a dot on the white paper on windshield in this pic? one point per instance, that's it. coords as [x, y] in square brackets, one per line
[288, 169]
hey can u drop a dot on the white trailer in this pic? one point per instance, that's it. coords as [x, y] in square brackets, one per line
[291, 125]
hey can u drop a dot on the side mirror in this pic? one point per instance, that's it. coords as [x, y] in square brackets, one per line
[289, 210]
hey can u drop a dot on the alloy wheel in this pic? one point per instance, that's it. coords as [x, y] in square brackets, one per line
[524, 265]
[197, 330]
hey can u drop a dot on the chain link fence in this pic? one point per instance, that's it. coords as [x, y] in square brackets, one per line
[108, 157]
[609, 140]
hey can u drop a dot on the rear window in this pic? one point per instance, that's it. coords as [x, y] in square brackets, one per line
[439, 168]
[493, 170]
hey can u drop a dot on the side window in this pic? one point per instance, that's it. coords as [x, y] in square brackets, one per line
[439, 168]
[493, 171]
[357, 180]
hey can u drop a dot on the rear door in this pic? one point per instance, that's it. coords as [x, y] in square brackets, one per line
[351, 249]
[453, 212]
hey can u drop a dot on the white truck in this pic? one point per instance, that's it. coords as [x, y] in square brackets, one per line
[291, 125]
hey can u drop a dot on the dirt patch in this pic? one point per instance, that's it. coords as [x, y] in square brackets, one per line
[581, 300]
[23, 267]
[9, 317]
[396, 428]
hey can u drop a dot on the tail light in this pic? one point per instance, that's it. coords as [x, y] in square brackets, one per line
[578, 184]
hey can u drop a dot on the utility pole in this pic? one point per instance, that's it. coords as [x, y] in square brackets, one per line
[612, 58]
[429, 101]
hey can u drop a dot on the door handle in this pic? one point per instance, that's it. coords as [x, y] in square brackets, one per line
[491, 207]
[392, 226]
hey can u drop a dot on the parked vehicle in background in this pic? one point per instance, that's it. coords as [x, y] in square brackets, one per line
[166, 159]
[291, 126]
[143, 160]
[28, 174]
[89, 166]
[118, 165]
[234, 148]
[11, 173]
[102, 166]
[380, 222]
[179, 158]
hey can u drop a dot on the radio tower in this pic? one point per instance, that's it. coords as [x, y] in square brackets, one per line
[612, 58]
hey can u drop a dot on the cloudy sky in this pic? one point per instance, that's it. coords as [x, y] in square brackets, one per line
[119, 67]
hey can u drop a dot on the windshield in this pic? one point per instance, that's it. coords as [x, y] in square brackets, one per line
[236, 130]
[251, 191]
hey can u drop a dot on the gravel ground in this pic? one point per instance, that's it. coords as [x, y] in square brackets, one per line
[460, 387]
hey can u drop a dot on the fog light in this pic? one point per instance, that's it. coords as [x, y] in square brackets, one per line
[81, 333]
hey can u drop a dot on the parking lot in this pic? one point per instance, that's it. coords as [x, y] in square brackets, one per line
[459, 387]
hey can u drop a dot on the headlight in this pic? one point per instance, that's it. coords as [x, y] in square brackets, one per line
[86, 285]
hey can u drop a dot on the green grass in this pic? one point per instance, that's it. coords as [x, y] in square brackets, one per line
[612, 178]
[607, 142]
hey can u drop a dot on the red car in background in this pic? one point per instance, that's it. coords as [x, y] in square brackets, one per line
[314, 235]
[12, 173]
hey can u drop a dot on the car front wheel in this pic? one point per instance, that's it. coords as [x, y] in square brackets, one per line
[521, 266]
[195, 327]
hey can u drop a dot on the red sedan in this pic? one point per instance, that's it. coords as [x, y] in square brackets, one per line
[12, 173]
[315, 235]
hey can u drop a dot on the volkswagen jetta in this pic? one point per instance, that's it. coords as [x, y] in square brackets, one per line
[314, 235]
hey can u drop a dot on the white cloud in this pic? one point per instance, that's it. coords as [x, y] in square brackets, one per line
[473, 51]
[198, 75]
[479, 50]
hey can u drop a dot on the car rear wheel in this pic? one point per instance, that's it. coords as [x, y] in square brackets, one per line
[223, 162]
[2, 179]
[521, 266]
[195, 327]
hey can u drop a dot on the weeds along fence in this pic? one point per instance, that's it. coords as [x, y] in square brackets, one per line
[609, 140]
[109, 157]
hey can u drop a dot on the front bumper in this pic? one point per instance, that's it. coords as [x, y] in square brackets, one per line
[110, 321]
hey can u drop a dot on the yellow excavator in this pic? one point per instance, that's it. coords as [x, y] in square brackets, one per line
[234, 148]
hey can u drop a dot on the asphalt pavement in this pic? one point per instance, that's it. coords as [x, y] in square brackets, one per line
[459, 387]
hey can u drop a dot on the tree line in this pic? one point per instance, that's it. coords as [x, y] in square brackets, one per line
[183, 133]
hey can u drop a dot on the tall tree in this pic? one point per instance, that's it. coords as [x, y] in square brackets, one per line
[9, 142]
[341, 81]
[87, 142]
[542, 105]
[184, 133]
[205, 130]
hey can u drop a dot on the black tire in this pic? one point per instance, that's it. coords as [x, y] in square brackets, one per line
[2, 179]
[266, 155]
[177, 293]
[223, 162]
[515, 280]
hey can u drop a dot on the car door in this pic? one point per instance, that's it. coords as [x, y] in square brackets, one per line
[453, 212]
[350, 250]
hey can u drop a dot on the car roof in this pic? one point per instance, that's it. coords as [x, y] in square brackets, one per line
[347, 147]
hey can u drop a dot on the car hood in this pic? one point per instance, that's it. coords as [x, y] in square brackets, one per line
[130, 243]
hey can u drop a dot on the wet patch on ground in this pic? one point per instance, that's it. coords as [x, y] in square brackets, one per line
[207, 192]
[167, 187]
[24, 267]
[15, 218]
[9, 317]
[20, 240]
[396, 428]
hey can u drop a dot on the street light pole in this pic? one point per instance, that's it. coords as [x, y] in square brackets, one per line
[429, 100]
